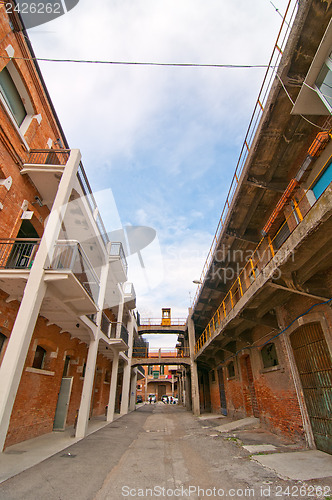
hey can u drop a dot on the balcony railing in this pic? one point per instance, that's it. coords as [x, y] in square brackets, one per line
[87, 191]
[48, 156]
[70, 256]
[116, 250]
[258, 261]
[18, 253]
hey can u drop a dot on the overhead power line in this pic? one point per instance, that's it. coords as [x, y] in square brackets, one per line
[137, 63]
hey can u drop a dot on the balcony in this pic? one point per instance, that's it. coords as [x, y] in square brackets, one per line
[109, 330]
[69, 274]
[129, 295]
[118, 262]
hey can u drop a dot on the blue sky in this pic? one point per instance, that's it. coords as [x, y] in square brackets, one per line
[159, 144]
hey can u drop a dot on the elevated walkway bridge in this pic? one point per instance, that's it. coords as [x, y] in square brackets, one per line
[151, 325]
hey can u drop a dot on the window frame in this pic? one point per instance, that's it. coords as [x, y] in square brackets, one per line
[25, 98]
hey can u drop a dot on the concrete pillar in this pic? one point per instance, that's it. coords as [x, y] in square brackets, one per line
[193, 366]
[188, 400]
[90, 369]
[127, 369]
[13, 362]
[113, 387]
[173, 384]
[120, 313]
[133, 384]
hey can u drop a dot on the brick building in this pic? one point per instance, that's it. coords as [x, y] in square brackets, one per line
[66, 313]
[262, 314]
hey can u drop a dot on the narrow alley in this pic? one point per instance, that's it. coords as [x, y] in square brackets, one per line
[162, 450]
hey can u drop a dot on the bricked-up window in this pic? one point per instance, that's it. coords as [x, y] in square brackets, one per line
[269, 355]
[231, 369]
[39, 359]
[66, 367]
[2, 340]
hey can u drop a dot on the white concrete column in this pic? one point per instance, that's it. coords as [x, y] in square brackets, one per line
[193, 366]
[133, 385]
[113, 386]
[18, 345]
[172, 384]
[90, 369]
[127, 370]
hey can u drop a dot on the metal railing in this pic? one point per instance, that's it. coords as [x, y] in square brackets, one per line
[69, 255]
[116, 250]
[146, 322]
[268, 80]
[145, 352]
[256, 264]
[87, 191]
[18, 253]
[48, 156]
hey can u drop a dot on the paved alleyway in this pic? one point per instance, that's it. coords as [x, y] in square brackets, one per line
[158, 447]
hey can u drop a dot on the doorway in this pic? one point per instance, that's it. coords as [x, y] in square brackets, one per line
[251, 387]
[61, 411]
[222, 393]
[314, 364]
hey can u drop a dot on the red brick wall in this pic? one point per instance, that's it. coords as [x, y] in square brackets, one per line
[214, 392]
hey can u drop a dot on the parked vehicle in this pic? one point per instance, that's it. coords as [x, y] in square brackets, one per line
[175, 401]
[152, 398]
[139, 399]
[164, 399]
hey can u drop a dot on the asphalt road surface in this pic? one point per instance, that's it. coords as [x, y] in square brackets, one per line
[158, 451]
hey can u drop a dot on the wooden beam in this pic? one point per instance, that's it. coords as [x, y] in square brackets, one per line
[299, 292]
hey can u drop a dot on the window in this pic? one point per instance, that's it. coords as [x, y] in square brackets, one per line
[213, 376]
[15, 97]
[323, 181]
[107, 376]
[2, 340]
[269, 355]
[39, 358]
[231, 370]
[11, 96]
[162, 370]
[324, 83]
[150, 370]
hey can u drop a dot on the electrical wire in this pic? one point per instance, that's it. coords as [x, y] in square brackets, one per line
[137, 63]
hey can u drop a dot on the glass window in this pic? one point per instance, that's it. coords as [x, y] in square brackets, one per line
[11, 96]
[324, 82]
[39, 358]
[162, 370]
[150, 370]
[66, 367]
[2, 340]
[269, 355]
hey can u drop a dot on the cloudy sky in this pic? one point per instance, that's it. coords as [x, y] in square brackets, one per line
[159, 144]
